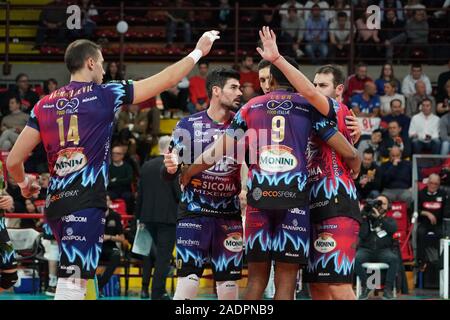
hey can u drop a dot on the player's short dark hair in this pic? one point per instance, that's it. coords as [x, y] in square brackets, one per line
[369, 151]
[338, 74]
[279, 77]
[263, 64]
[219, 77]
[78, 51]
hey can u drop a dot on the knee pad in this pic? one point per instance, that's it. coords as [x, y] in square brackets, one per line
[8, 279]
[227, 290]
[187, 287]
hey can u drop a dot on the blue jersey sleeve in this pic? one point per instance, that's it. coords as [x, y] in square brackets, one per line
[239, 123]
[117, 93]
[181, 142]
[324, 127]
[33, 120]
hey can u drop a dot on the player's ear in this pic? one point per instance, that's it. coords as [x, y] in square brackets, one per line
[340, 89]
[90, 63]
[216, 90]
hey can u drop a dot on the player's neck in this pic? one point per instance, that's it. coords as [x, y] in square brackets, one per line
[218, 113]
[80, 77]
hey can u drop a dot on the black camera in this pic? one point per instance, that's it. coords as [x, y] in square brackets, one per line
[370, 205]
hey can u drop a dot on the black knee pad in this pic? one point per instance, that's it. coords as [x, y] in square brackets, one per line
[7, 280]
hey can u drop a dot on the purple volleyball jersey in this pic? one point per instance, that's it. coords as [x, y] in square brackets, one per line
[76, 123]
[277, 127]
[213, 192]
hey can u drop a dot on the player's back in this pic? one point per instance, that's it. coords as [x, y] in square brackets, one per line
[76, 123]
[278, 125]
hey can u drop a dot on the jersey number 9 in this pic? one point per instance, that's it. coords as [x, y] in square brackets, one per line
[278, 128]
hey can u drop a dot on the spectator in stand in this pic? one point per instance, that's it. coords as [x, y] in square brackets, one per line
[340, 36]
[432, 202]
[408, 84]
[267, 18]
[397, 114]
[323, 5]
[367, 38]
[442, 80]
[417, 29]
[120, 178]
[444, 133]
[396, 177]
[392, 33]
[178, 17]
[12, 124]
[411, 6]
[44, 180]
[31, 209]
[373, 143]
[424, 130]
[52, 21]
[177, 96]
[395, 139]
[132, 126]
[390, 95]
[413, 102]
[23, 91]
[369, 180]
[394, 5]
[366, 104]
[112, 72]
[248, 73]
[112, 244]
[197, 89]
[355, 82]
[443, 101]
[316, 36]
[284, 9]
[386, 75]
[293, 28]
[50, 85]
[338, 7]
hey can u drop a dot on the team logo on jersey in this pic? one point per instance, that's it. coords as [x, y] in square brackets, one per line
[224, 167]
[325, 243]
[69, 106]
[257, 194]
[70, 160]
[284, 105]
[234, 242]
[277, 159]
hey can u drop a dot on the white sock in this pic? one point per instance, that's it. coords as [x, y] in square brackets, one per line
[70, 289]
[187, 288]
[52, 282]
[227, 290]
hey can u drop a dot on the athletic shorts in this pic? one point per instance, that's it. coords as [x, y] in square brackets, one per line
[80, 238]
[279, 235]
[208, 239]
[333, 250]
[7, 259]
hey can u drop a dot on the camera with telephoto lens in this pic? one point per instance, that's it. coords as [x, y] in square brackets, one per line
[371, 204]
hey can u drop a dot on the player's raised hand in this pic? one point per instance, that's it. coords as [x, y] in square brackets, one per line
[31, 188]
[171, 162]
[269, 42]
[206, 41]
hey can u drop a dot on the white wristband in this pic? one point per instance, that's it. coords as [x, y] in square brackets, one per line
[196, 55]
[24, 183]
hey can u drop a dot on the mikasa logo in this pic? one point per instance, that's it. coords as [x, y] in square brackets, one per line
[325, 243]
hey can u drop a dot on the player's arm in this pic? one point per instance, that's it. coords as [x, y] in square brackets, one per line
[207, 159]
[351, 156]
[28, 139]
[300, 82]
[170, 76]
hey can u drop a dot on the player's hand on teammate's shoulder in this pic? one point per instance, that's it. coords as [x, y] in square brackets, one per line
[206, 41]
[171, 162]
[353, 126]
[269, 51]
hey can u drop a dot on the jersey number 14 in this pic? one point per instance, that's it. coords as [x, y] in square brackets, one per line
[72, 134]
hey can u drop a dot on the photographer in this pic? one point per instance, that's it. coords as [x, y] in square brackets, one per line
[376, 244]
